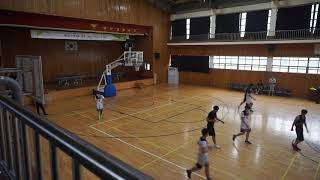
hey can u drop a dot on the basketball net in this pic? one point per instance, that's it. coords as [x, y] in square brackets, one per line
[136, 67]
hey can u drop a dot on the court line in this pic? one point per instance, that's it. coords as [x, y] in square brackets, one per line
[147, 152]
[182, 156]
[155, 160]
[138, 112]
[316, 175]
[84, 116]
[288, 168]
[181, 100]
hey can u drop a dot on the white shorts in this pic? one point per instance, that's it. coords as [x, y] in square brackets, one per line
[100, 106]
[203, 160]
[271, 87]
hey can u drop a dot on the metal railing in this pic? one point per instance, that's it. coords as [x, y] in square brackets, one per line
[21, 150]
[253, 36]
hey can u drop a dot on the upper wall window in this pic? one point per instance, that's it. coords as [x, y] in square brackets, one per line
[212, 27]
[188, 28]
[314, 17]
[269, 22]
[242, 23]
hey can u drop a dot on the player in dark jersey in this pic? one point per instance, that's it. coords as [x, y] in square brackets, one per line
[299, 121]
[211, 119]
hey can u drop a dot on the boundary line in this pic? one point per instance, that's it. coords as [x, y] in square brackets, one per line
[288, 168]
[155, 160]
[147, 152]
[138, 112]
[185, 157]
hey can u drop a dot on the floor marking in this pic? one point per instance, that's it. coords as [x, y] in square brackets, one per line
[155, 160]
[316, 175]
[182, 156]
[85, 116]
[151, 154]
[138, 112]
[288, 168]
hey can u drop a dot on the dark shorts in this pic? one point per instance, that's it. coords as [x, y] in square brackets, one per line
[249, 105]
[211, 130]
[245, 130]
[299, 132]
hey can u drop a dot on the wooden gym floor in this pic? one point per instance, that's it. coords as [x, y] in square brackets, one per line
[156, 129]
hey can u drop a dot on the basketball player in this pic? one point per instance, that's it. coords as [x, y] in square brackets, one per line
[249, 99]
[203, 159]
[245, 128]
[99, 98]
[248, 96]
[272, 85]
[211, 119]
[299, 121]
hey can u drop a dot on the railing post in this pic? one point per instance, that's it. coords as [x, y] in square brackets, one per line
[25, 151]
[2, 136]
[53, 162]
[37, 152]
[8, 140]
[75, 170]
[15, 146]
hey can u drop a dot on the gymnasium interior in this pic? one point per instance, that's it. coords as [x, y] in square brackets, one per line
[121, 89]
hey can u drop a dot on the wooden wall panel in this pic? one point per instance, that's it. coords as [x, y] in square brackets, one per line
[246, 50]
[122, 11]
[299, 83]
[89, 60]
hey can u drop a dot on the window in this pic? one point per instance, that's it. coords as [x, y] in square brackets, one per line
[310, 65]
[239, 62]
[290, 64]
[211, 26]
[147, 66]
[217, 62]
[171, 33]
[188, 28]
[314, 16]
[242, 23]
[253, 63]
[314, 65]
[269, 22]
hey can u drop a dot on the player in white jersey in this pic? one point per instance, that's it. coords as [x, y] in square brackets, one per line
[248, 97]
[203, 159]
[272, 85]
[244, 127]
[99, 99]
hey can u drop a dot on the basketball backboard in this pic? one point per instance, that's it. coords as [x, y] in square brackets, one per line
[30, 78]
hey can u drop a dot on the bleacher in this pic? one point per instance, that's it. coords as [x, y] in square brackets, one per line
[265, 89]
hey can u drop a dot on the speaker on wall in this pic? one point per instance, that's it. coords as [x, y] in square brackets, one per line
[157, 55]
[270, 47]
